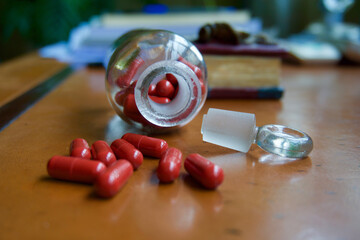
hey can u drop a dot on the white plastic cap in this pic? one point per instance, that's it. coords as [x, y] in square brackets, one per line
[235, 130]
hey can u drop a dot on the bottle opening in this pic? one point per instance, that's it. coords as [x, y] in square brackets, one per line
[181, 107]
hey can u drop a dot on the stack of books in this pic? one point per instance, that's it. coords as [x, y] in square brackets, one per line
[90, 42]
[243, 71]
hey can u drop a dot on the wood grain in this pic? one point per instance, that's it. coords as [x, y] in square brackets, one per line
[19, 75]
[263, 196]
[14, 108]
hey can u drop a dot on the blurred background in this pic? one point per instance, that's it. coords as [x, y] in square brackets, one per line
[27, 25]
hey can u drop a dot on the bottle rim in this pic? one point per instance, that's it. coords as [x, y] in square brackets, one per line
[183, 108]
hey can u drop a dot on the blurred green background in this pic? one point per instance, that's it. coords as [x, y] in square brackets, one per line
[26, 25]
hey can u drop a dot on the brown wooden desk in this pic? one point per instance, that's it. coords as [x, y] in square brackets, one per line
[262, 197]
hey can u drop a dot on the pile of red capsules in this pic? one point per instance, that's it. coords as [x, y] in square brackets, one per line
[162, 92]
[111, 166]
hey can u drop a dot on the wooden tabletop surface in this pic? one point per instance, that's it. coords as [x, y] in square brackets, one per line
[262, 197]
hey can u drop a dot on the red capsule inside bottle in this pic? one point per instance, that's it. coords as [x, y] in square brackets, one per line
[149, 146]
[74, 169]
[197, 72]
[110, 181]
[204, 171]
[202, 85]
[169, 165]
[125, 150]
[161, 100]
[152, 90]
[131, 88]
[120, 97]
[193, 67]
[80, 148]
[176, 92]
[101, 151]
[131, 110]
[172, 79]
[164, 88]
[125, 79]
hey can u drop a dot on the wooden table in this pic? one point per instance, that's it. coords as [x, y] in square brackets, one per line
[262, 197]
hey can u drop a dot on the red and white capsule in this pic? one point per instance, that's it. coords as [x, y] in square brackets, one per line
[149, 146]
[101, 151]
[204, 171]
[125, 150]
[80, 148]
[74, 169]
[110, 181]
[169, 165]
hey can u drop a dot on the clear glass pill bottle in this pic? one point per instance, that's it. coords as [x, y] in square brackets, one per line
[138, 62]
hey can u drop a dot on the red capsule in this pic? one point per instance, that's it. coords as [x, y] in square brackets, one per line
[130, 107]
[131, 110]
[164, 88]
[153, 147]
[80, 148]
[120, 97]
[109, 182]
[125, 150]
[193, 67]
[176, 92]
[152, 90]
[125, 79]
[171, 78]
[202, 85]
[131, 88]
[74, 169]
[101, 151]
[204, 171]
[198, 72]
[169, 165]
[161, 100]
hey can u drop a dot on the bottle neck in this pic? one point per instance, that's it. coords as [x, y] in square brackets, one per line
[185, 105]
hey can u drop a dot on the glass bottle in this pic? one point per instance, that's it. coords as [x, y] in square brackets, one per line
[141, 59]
